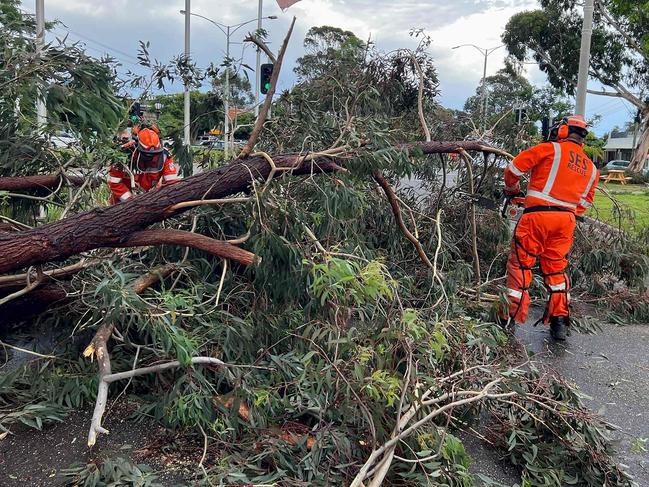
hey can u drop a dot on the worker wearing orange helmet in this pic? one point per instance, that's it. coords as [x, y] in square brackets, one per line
[150, 167]
[561, 185]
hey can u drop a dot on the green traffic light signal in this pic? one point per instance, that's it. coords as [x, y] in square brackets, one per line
[265, 72]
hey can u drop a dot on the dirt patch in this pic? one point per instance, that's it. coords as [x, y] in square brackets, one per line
[35, 458]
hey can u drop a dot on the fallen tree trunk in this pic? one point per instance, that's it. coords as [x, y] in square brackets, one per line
[113, 226]
[45, 181]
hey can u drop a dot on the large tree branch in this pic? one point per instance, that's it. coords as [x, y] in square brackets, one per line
[261, 45]
[623, 93]
[218, 248]
[112, 226]
[99, 347]
[263, 113]
[633, 43]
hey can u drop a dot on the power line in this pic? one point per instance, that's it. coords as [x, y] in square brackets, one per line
[66, 33]
[101, 44]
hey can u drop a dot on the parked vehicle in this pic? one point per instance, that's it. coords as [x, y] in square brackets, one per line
[62, 140]
[617, 165]
[210, 144]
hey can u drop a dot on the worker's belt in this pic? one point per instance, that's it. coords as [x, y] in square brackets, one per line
[536, 209]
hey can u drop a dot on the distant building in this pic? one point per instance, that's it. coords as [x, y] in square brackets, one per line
[619, 148]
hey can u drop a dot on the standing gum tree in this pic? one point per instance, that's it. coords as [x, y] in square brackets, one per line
[619, 52]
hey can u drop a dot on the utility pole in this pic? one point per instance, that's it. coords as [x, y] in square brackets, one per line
[41, 108]
[187, 116]
[584, 57]
[226, 97]
[257, 69]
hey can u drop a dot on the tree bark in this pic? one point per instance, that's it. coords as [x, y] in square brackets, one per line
[221, 249]
[46, 181]
[642, 152]
[113, 226]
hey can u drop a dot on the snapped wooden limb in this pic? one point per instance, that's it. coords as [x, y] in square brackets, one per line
[99, 348]
[261, 45]
[188, 239]
[263, 113]
[394, 203]
[112, 226]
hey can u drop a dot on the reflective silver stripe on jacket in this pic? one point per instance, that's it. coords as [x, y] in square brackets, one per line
[514, 169]
[550, 199]
[556, 162]
[112, 179]
[126, 196]
[514, 293]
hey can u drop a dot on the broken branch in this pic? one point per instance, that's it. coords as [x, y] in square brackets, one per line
[182, 238]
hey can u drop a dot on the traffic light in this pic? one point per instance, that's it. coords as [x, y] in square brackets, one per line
[545, 127]
[266, 71]
[135, 112]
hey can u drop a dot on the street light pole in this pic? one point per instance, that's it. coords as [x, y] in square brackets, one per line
[228, 30]
[187, 112]
[226, 98]
[584, 58]
[483, 92]
[41, 109]
[258, 66]
[484, 89]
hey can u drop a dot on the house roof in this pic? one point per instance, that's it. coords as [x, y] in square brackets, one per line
[620, 143]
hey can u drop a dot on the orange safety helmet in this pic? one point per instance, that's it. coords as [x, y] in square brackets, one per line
[574, 121]
[148, 141]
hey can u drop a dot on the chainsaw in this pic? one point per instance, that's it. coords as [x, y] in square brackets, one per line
[510, 207]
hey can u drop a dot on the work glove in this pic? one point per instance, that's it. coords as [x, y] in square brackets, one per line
[513, 191]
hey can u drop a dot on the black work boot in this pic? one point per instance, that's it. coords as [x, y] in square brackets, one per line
[559, 327]
[508, 325]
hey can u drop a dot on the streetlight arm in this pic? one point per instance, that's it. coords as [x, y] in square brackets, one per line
[238, 26]
[489, 51]
[482, 51]
[220, 26]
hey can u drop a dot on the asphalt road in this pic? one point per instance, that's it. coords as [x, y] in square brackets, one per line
[612, 368]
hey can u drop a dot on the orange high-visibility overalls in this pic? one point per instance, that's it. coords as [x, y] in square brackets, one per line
[562, 184]
[119, 180]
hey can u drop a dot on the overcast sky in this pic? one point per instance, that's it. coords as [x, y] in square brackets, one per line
[115, 27]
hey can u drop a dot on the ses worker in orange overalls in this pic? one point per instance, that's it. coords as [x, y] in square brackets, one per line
[562, 185]
[150, 167]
